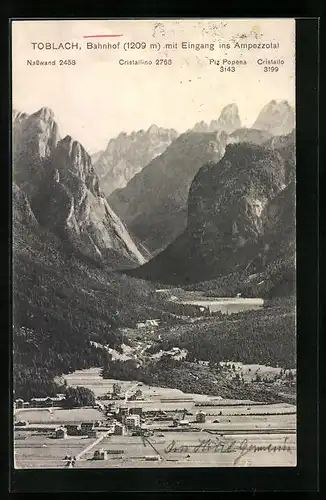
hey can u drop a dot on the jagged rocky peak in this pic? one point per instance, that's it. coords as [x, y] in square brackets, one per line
[18, 116]
[229, 119]
[71, 205]
[153, 130]
[200, 127]
[34, 140]
[127, 154]
[277, 117]
[18, 120]
[45, 114]
[63, 191]
[71, 162]
[40, 133]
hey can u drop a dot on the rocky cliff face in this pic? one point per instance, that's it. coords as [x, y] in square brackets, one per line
[22, 212]
[128, 154]
[238, 213]
[63, 190]
[285, 145]
[228, 121]
[277, 117]
[35, 138]
[154, 202]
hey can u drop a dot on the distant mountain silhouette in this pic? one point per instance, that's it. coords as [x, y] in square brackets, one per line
[128, 154]
[154, 203]
[277, 117]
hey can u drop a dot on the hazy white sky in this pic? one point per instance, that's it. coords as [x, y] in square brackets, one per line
[98, 98]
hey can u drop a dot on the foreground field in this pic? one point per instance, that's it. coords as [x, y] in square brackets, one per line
[58, 416]
[236, 433]
[199, 449]
[34, 450]
[183, 449]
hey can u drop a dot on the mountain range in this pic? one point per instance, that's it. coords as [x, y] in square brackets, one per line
[240, 217]
[128, 154]
[214, 207]
[67, 243]
[153, 204]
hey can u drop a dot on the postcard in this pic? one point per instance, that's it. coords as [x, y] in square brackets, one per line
[154, 243]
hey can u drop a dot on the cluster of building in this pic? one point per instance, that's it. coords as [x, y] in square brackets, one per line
[123, 418]
[48, 402]
[118, 394]
[90, 429]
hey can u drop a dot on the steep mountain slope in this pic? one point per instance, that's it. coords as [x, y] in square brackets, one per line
[285, 145]
[61, 302]
[128, 154]
[240, 218]
[59, 180]
[277, 117]
[153, 204]
[66, 243]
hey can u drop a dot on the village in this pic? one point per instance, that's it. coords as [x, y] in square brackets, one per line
[134, 425]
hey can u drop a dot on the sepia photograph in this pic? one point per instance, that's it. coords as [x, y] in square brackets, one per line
[154, 243]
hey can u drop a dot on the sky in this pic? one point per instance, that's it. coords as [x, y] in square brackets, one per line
[97, 98]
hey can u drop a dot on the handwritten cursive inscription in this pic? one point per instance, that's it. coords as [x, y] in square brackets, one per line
[230, 446]
[245, 448]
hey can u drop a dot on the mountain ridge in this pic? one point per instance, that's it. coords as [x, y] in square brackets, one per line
[230, 208]
[63, 190]
[126, 155]
[153, 203]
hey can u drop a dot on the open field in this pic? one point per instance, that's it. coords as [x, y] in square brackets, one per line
[34, 450]
[168, 399]
[197, 449]
[58, 416]
[92, 379]
[181, 449]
